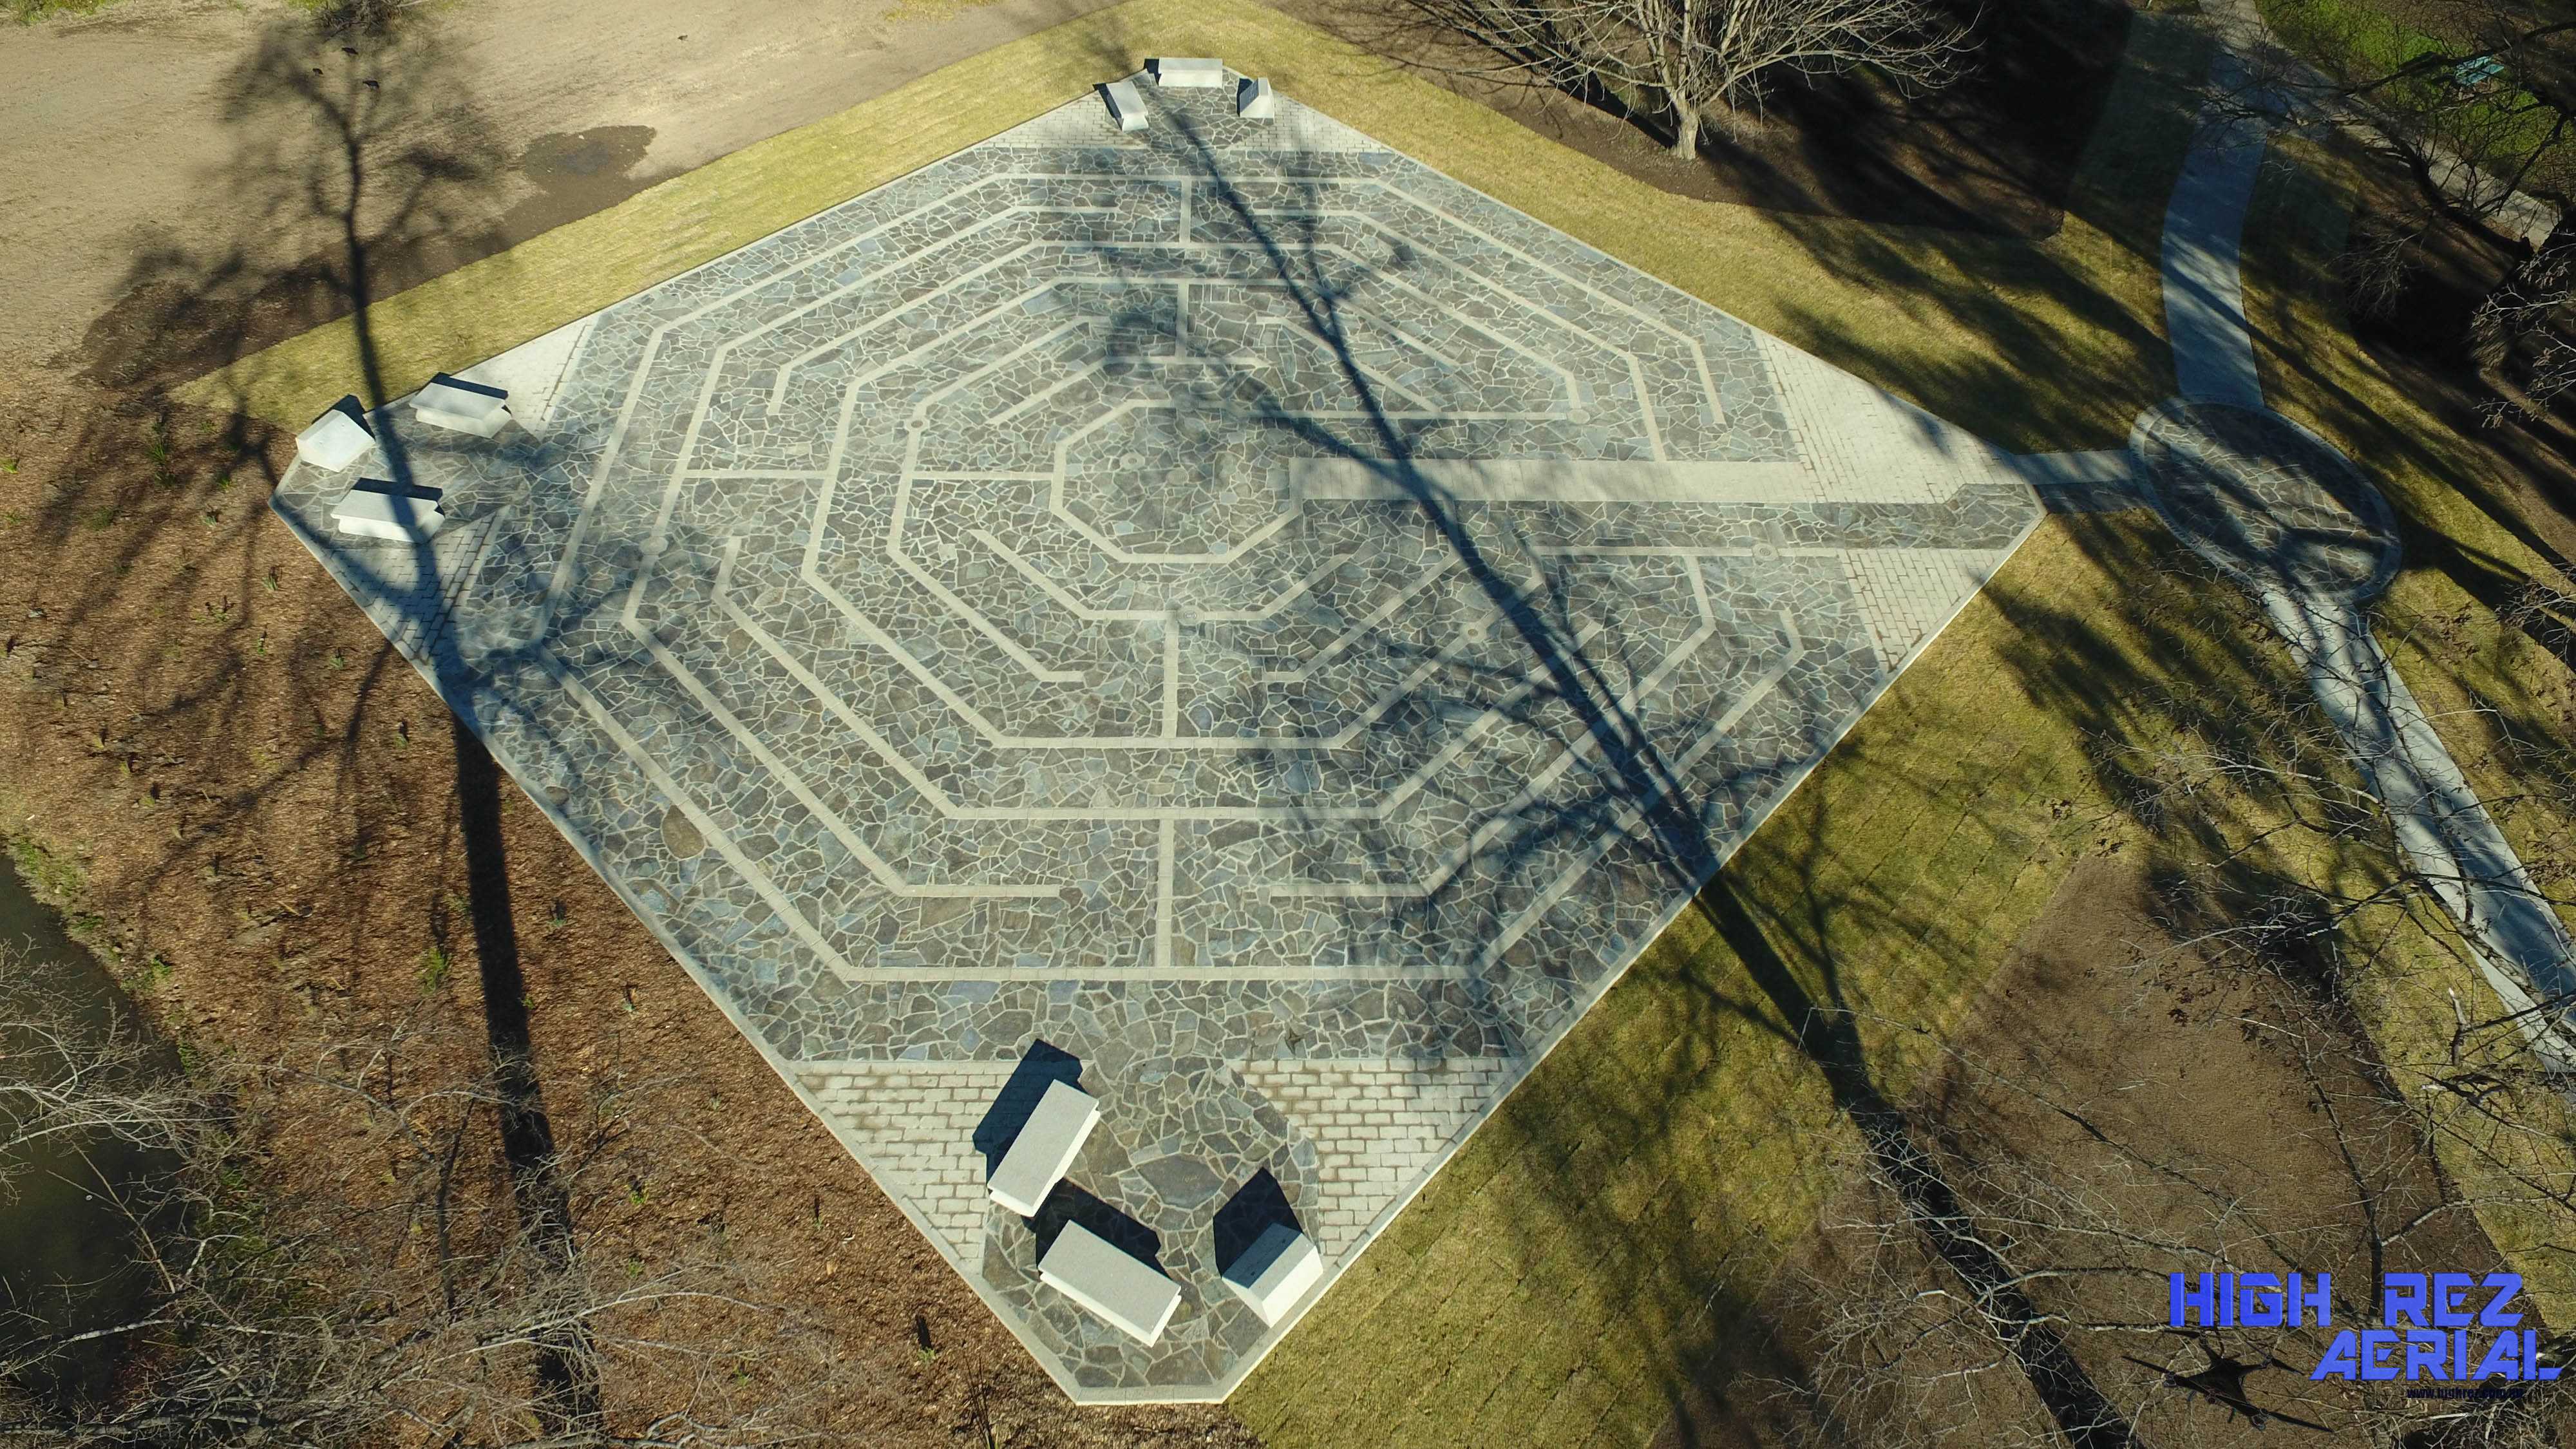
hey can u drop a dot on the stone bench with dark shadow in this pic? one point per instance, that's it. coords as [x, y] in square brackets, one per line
[1126, 104]
[1189, 72]
[338, 438]
[1107, 1262]
[1264, 1254]
[461, 406]
[393, 512]
[1036, 1125]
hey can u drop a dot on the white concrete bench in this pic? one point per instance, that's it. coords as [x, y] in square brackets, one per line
[1205, 72]
[1044, 1150]
[461, 406]
[338, 438]
[1127, 1292]
[374, 508]
[1126, 104]
[1254, 100]
[1275, 1271]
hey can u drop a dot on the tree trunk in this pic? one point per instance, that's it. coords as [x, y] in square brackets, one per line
[1685, 128]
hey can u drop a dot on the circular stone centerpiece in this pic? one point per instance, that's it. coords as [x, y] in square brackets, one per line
[2271, 503]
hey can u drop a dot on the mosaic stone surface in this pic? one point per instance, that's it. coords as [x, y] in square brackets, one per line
[1124, 593]
[2276, 506]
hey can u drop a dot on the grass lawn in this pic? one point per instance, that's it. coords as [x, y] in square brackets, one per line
[2362, 31]
[1592, 1252]
[2368, 38]
[1597, 1244]
[2502, 700]
[1601, 1241]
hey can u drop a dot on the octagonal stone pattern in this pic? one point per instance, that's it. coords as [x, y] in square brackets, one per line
[1098, 590]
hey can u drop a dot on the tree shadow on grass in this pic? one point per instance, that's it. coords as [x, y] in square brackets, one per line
[2200, 733]
[1991, 154]
[2188, 666]
[1569, 676]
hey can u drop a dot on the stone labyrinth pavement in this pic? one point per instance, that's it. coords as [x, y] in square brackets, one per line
[1097, 591]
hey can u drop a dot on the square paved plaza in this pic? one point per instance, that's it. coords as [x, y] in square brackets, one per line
[1126, 593]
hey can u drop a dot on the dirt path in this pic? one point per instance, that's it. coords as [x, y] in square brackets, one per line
[577, 103]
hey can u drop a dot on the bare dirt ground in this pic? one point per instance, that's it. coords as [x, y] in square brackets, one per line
[118, 121]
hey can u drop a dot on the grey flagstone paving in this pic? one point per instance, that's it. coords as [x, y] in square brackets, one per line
[922, 618]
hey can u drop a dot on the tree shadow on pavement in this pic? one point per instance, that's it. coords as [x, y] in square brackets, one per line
[365, 140]
[1570, 681]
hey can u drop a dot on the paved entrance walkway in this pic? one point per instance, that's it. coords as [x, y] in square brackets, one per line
[2287, 516]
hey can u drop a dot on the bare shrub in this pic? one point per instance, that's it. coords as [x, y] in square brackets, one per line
[2385, 254]
[2524, 331]
[1688, 60]
[401, 1293]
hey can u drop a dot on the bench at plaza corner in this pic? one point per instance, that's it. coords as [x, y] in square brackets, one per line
[1044, 1149]
[1114, 1285]
[1204, 72]
[461, 406]
[1276, 1271]
[1126, 104]
[394, 512]
[338, 438]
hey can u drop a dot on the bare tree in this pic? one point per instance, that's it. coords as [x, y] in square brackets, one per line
[2282, 852]
[2524, 331]
[2492, 93]
[2424, 1116]
[2382, 260]
[71, 1077]
[2482, 116]
[1690, 59]
[2087, 1205]
[402, 1297]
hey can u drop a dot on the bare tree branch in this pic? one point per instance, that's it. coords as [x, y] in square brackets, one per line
[1690, 59]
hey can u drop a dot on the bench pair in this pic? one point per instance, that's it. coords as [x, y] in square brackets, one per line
[342, 435]
[1081, 1265]
[393, 511]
